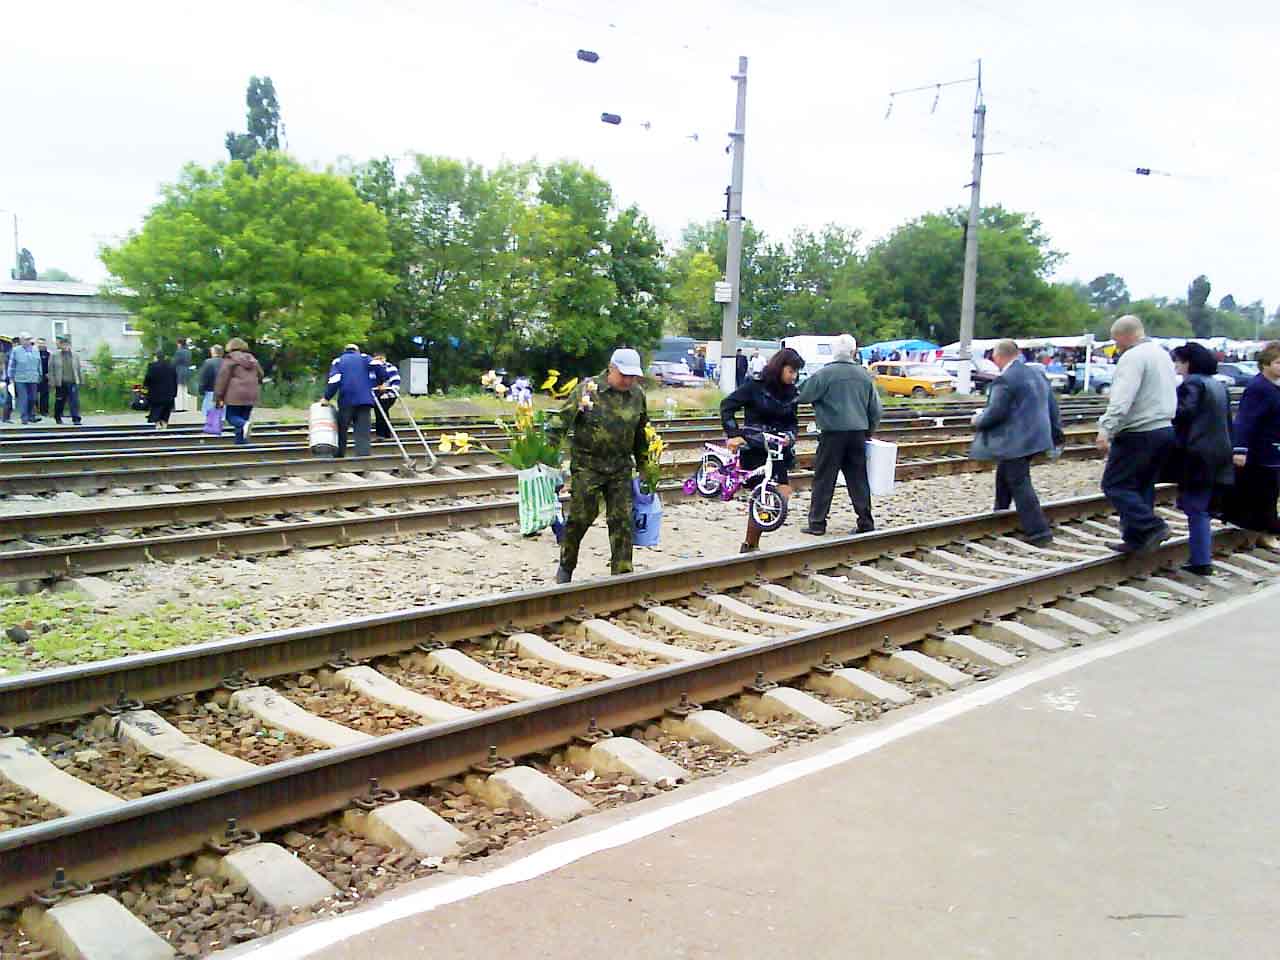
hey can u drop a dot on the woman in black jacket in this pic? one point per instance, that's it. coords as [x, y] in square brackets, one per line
[1257, 447]
[1202, 426]
[769, 404]
[161, 382]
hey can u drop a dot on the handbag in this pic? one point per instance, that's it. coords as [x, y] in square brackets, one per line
[213, 421]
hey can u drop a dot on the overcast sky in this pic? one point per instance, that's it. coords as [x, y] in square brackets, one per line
[105, 102]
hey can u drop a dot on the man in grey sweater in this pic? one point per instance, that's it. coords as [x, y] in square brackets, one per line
[847, 408]
[1136, 433]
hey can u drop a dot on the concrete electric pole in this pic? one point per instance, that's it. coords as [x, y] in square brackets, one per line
[733, 259]
[969, 290]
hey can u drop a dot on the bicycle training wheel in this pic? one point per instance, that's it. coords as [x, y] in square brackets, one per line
[768, 507]
[708, 478]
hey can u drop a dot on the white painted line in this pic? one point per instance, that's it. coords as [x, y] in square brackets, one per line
[317, 936]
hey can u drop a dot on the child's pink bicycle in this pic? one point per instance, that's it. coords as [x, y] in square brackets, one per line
[720, 474]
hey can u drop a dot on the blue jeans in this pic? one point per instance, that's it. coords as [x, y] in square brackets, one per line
[238, 416]
[1195, 504]
[26, 401]
[1129, 480]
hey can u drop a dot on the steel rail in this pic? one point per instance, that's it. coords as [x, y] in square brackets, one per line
[73, 691]
[142, 477]
[73, 560]
[142, 832]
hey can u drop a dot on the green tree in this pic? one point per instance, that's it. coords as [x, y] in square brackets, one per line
[58, 276]
[1228, 303]
[287, 259]
[1160, 319]
[263, 119]
[826, 294]
[764, 285]
[692, 275]
[1108, 293]
[26, 266]
[915, 273]
[1198, 314]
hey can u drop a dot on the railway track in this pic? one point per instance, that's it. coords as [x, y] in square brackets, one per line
[45, 544]
[775, 647]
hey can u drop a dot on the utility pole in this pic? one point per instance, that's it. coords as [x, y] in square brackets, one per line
[17, 250]
[733, 259]
[969, 290]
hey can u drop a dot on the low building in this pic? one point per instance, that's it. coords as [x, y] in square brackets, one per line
[55, 308]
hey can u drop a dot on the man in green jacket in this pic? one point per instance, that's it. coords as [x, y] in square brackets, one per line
[847, 408]
[607, 416]
[65, 376]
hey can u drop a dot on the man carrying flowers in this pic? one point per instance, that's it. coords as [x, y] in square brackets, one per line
[607, 418]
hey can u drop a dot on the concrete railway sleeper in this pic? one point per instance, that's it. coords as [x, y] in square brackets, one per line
[486, 721]
[42, 545]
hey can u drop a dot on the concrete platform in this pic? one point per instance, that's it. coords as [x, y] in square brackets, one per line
[1114, 801]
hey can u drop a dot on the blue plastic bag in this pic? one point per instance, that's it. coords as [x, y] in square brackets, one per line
[646, 517]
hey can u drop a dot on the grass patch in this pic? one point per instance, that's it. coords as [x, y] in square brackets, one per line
[63, 629]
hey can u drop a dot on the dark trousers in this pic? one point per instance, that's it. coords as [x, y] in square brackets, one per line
[1129, 480]
[26, 396]
[1195, 504]
[43, 394]
[68, 395]
[1253, 501]
[238, 415]
[357, 418]
[1013, 486]
[840, 451]
[380, 423]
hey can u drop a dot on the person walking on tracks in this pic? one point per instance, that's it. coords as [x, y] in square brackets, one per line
[847, 409]
[237, 387]
[769, 403]
[207, 379]
[1020, 420]
[1202, 458]
[161, 382]
[1257, 447]
[24, 374]
[607, 418]
[65, 376]
[1136, 434]
[386, 394]
[42, 393]
[352, 377]
[182, 366]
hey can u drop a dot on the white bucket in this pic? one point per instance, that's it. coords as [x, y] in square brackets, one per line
[882, 463]
[322, 430]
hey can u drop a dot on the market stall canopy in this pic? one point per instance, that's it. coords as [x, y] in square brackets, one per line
[902, 346]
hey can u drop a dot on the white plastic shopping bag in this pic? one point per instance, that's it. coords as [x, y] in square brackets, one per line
[882, 463]
[539, 504]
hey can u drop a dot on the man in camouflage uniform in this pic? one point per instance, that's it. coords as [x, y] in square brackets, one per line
[607, 417]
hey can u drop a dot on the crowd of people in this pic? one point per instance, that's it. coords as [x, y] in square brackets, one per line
[31, 369]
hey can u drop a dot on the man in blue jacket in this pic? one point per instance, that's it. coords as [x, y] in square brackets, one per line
[352, 377]
[1019, 421]
[25, 372]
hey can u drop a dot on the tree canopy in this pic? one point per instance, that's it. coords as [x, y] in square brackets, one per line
[289, 260]
[262, 118]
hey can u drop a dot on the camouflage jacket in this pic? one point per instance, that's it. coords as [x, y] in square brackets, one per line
[607, 427]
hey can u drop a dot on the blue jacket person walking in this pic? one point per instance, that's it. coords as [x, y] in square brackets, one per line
[352, 377]
[1019, 421]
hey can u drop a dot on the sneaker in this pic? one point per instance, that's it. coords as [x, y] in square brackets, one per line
[248, 429]
[813, 531]
[1199, 569]
[563, 575]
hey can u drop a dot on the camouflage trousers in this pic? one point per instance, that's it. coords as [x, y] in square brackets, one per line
[586, 490]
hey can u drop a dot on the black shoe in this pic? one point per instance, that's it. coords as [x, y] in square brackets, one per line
[813, 531]
[1043, 540]
[1121, 546]
[1153, 540]
[748, 548]
[865, 526]
[563, 575]
[1199, 569]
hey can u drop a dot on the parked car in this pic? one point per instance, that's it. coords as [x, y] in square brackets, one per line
[912, 379]
[1058, 381]
[675, 374]
[1238, 373]
[982, 371]
[1100, 377]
